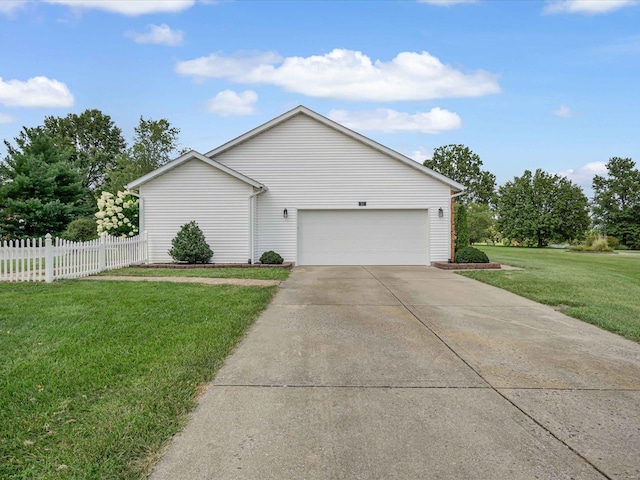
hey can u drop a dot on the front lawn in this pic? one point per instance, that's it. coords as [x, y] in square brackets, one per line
[96, 377]
[252, 273]
[602, 289]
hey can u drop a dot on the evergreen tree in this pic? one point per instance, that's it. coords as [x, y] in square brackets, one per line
[40, 190]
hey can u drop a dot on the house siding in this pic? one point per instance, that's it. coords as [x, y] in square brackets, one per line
[308, 165]
[218, 202]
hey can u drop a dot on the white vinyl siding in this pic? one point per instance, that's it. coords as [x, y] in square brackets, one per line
[362, 237]
[308, 165]
[218, 202]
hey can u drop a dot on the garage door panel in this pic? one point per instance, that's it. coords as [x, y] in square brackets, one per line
[362, 237]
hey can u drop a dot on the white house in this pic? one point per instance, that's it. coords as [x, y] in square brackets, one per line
[306, 187]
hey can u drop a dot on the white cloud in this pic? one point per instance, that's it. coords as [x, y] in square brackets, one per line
[158, 35]
[347, 75]
[446, 3]
[5, 118]
[421, 154]
[10, 6]
[230, 104]
[587, 7]
[130, 8]
[564, 111]
[389, 121]
[35, 92]
[584, 175]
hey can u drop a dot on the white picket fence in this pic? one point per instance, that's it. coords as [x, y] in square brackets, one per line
[48, 259]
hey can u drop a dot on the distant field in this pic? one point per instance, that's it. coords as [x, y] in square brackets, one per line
[602, 289]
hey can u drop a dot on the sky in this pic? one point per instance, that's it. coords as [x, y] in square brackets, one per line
[525, 84]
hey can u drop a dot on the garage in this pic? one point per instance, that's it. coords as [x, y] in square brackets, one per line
[362, 237]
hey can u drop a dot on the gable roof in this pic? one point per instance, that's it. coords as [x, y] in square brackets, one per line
[302, 110]
[185, 158]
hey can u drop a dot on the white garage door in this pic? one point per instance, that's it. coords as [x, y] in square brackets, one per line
[362, 237]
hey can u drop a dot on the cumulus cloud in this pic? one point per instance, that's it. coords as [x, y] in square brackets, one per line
[347, 75]
[421, 154]
[5, 118]
[230, 104]
[130, 8]
[35, 92]
[158, 35]
[584, 175]
[390, 121]
[563, 111]
[587, 7]
[10, 6]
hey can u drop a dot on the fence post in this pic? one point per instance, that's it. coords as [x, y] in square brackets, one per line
[102, 263]
[48, 259]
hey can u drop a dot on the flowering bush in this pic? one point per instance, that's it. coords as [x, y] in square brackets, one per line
[118, 214]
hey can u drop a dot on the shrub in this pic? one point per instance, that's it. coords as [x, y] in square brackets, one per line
[471, 255]
[271, 258]
[118, 214]
[612, 241]
[621, 247]
[81, 230]
[600, 245]
[461, 226]
[189, 245]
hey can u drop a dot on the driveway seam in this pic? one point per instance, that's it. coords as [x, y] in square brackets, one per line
[488, 383]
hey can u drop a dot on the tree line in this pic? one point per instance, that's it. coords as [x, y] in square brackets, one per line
[54, 173]
[539, 208]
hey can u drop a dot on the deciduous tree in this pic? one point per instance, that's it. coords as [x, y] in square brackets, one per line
[542, 207]
[154, 143]
[459, 163]
[95, 140]
[616, 201]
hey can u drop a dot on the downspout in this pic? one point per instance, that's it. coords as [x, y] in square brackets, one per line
[252, 198]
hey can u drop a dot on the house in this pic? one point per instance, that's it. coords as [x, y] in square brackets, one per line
[306, 187]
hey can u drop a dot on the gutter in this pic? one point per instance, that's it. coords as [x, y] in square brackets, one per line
[252, 198]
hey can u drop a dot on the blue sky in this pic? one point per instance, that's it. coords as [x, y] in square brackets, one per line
[525, 84]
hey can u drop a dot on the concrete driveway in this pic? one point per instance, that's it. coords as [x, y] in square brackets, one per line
[413, 372]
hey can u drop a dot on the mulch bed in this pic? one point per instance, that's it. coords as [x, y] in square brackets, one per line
[467, 266]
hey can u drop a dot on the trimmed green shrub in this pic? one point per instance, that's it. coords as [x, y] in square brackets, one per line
[271, 258]
[190, 246]
[471, 255]
[81, 230]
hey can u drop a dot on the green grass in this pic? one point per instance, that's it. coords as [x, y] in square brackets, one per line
[253, 273]
[95, 377]
[602, 289]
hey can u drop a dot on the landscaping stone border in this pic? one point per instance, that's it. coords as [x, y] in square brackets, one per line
[467, 266]
[285, 265]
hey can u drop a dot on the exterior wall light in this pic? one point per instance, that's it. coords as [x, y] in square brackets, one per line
[285, 214]
[440, 212]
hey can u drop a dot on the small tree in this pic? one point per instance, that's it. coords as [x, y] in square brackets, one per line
[190, 246]
[462, 228]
